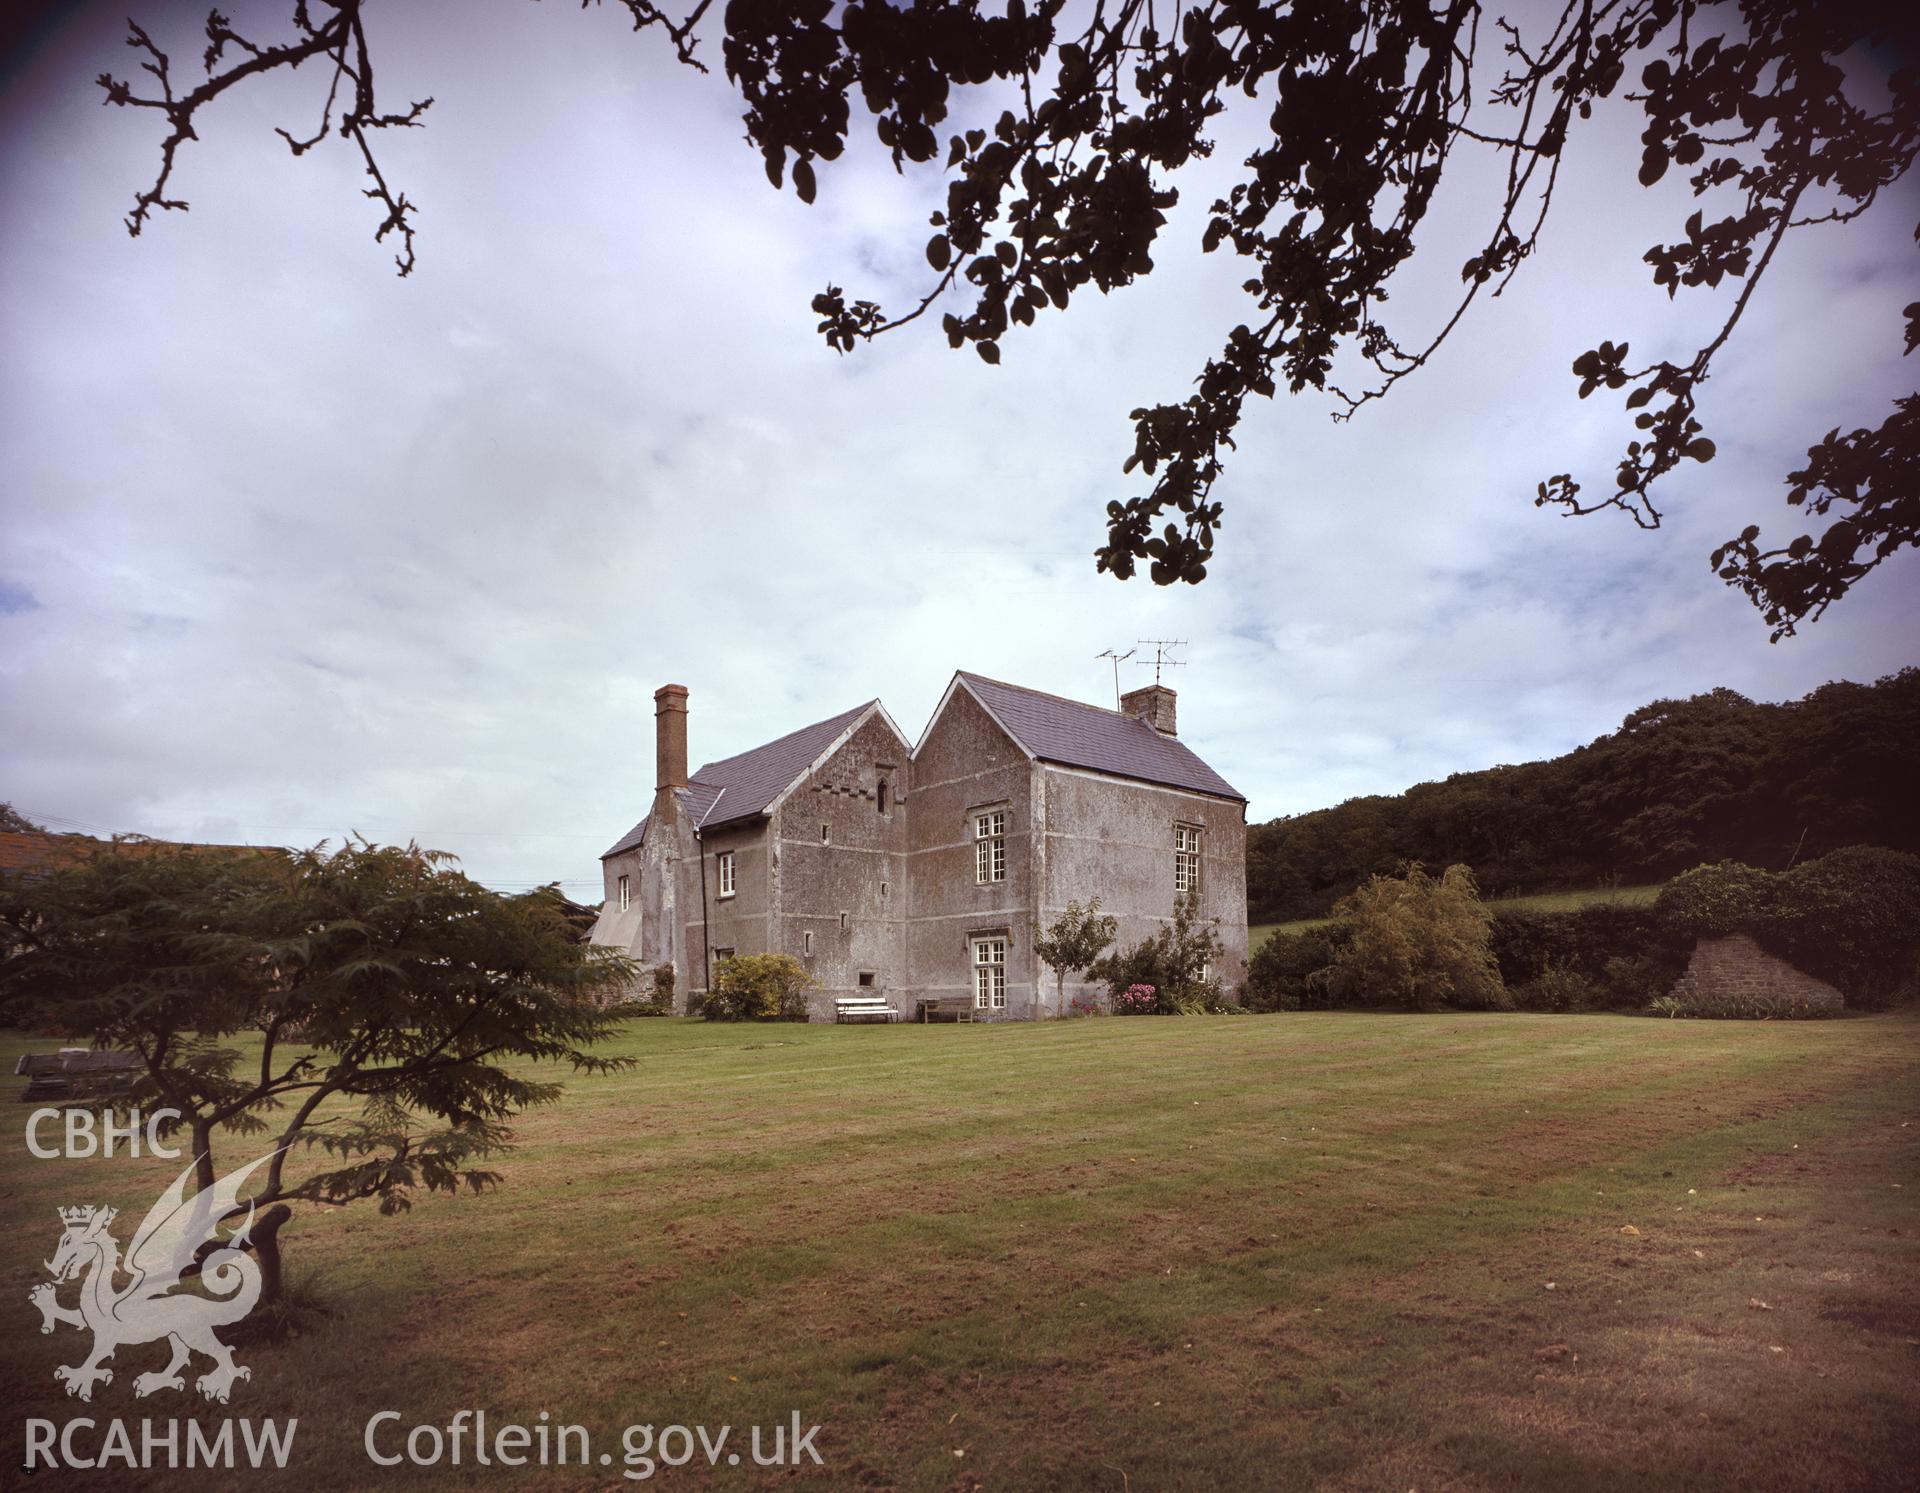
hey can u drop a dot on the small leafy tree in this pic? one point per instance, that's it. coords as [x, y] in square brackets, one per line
[386, 1000]
[1173, 962]
[758, 987]
[1077, 938]
[1418, 940]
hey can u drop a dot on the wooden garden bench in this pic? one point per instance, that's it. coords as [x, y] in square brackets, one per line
[947, 1008]
[863, 1008]
[76, 1074]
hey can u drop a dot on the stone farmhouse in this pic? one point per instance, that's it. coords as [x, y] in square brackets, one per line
[914, 872]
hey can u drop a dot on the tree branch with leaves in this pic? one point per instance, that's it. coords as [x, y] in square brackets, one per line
[395, 1003]
[1369, 104]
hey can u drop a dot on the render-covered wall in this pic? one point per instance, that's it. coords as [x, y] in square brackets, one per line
[964, 765]
[620, 927]
[840, 870]
[741, 922]
[1113, 838]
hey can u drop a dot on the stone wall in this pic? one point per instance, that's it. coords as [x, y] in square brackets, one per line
[1736, 968]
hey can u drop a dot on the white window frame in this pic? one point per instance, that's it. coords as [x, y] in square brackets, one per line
[989, 846]
[625, 894]
[990, 972]
[725, 868]
[1186, 859]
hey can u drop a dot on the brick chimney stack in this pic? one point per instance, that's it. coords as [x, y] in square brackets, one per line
[670, 736]
[1153, 704]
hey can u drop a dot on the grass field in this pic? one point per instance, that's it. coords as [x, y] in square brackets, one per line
[1358, 1251]
[1626, 896]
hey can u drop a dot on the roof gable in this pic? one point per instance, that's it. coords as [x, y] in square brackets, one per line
[1075, 734]
[746, 786]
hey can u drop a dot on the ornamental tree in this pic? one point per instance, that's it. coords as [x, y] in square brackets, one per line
[1064, 131]
[1078, 936]
[369, 1005]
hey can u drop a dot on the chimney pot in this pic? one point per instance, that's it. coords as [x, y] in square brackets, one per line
[670, 736]
[1154, 705]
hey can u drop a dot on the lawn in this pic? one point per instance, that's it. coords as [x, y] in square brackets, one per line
[1365, 1251]
[1625, 896]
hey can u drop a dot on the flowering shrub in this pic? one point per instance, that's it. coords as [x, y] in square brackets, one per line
[1136, 1000]
[1086, 1005]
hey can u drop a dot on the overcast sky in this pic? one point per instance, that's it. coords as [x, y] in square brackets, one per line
[294, 547]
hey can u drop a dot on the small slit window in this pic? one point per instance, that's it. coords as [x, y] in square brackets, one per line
[880, 798]
[625, 894]
[806, 942]
[826, 834]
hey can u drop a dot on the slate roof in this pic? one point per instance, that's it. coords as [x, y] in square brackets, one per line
[1080, 735]
[742, 787]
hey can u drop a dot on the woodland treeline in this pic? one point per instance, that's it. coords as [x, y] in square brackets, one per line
[1682, 782]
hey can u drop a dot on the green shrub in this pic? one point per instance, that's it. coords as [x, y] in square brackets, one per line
[1173, 962]
[1713, 901]
[1559, 987]
[640, 1008]
[1627, 954]
[1851, 917]
[1626, 983]
[758, 987]
[1420, 941]
[1745, 1007]
[1281, 976]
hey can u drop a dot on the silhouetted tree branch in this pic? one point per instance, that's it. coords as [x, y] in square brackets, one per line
[1371, 101]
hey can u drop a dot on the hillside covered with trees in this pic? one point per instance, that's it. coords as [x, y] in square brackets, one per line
[1714, 777]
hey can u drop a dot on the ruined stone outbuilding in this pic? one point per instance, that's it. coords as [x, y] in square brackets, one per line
[1735, 968]
[918, 871]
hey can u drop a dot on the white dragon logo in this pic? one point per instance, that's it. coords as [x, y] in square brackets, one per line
[150, 1306]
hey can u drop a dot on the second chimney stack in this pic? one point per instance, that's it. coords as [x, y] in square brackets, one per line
[1153, 704]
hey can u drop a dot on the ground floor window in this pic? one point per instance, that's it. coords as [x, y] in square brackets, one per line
[989, 974]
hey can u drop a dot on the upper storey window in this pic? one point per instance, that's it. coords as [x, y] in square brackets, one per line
[1186, 859]
[726, 873]
[990, 846]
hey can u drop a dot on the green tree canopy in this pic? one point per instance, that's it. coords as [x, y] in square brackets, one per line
[1063, 164]
[1421, 941]
[388, 1006]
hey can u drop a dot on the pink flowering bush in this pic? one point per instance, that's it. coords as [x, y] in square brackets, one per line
[1086, 1005]
[1136, 1000]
